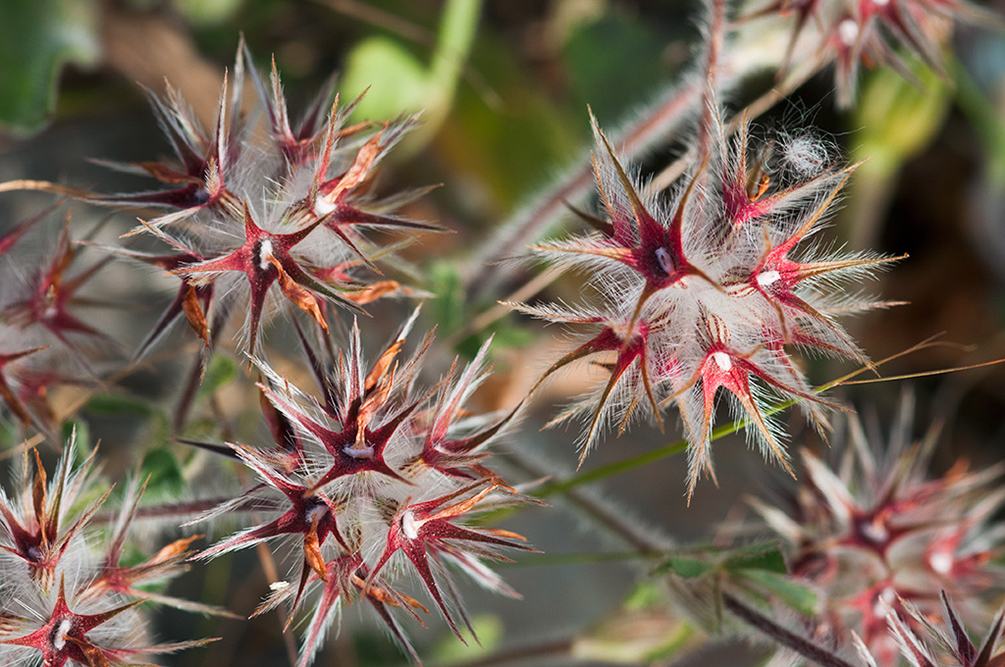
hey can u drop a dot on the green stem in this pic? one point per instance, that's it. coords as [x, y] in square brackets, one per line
[639, 460]
[457, 32]
[554, 560]
[614, 468]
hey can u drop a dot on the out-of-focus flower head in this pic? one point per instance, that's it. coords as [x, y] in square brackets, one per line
[877, 530]
[46, 339]
[852, 33]
[927, 644]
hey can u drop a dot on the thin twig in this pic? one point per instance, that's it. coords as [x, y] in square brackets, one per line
[23, 447]
[411, 31]
[22, 184]
[501, 309]
[784, 636]
[382, 19]
[716, 36]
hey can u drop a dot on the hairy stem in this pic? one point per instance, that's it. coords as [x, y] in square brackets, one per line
[173, 511]
[533, 221]
[603, 516]
[784, 636]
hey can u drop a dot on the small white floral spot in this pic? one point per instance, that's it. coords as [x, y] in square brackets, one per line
[265, 254]
[663, 257]
[941, 562]
[276, 586]
[767, 278]
[409, 526]
[722, 360]
[59, 638]
[314, 512]
[848, 32]
[875, 532]
[365, 452]
[323, 207]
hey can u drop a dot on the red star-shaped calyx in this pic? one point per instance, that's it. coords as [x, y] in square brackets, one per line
[310, 513]
[64, 636]
[453, 456]
[723, 366]
[265, 258]
[633, 236]
[357, 448]
[51, 297]
[777, 277]
[424, 530]
[38, 541]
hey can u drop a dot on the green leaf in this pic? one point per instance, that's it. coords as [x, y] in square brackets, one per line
[397, 82]
[165, 473]
[985, 117]
[797, 596]
[760, 557]
[688, 567]
[37, 37]
[597, 75]
[490, 633]
[645, 594]
[393, 78]
[896, 118]
[448, 298]
[83, 432]
[457, 32]
[896, 121]
[10, 435]
[220, 371]
[209, 12]
[507, 335]
[119, 405]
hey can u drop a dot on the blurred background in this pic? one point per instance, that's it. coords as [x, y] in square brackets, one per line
[504, 86]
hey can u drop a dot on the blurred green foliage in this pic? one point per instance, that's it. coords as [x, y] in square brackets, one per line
[759, 568]
[37, 38]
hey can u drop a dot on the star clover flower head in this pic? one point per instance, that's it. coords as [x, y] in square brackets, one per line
[716, 292]
[381, 485]
[251, 221]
